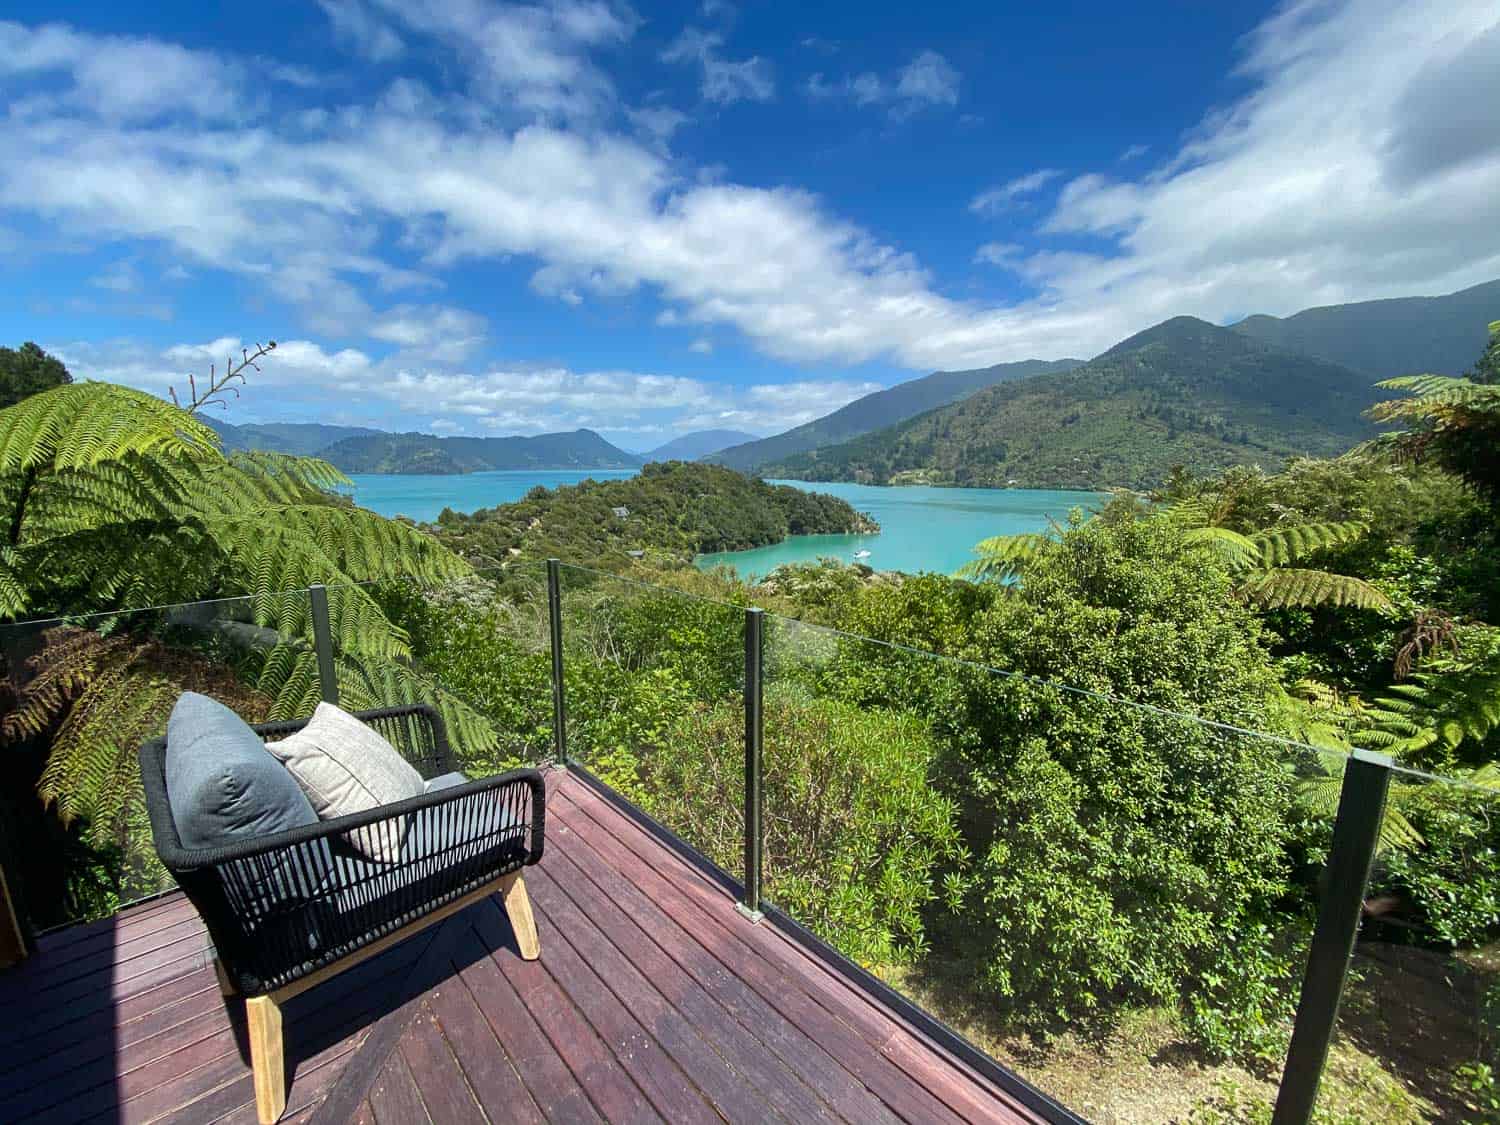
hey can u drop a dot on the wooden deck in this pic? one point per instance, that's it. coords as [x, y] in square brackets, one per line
[653, 1001]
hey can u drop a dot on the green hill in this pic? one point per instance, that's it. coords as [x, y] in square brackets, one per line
[425, 453]
[672, 511]
[1404, 336]
[1184, 392]
[302, 439]
[699, 443]
[881, 409]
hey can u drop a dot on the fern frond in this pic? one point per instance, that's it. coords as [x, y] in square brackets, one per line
[1005, 556]
[1320, 792]
[1281, 546]
[1289, 586]
[1237, 552]
[87, 424]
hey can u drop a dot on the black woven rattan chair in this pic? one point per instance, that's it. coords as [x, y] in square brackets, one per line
[293, 909]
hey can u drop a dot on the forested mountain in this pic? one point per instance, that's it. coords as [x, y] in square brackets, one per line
[881, 409]
[301, 439]
[673, 510]
[1382, 339]
[1184, 392]
[425, 453]
[699, 443]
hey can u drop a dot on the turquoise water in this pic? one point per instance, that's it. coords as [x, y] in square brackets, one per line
[922, 528]
[422, 497]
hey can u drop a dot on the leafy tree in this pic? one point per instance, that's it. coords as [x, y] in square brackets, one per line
[1454, 423]
[1124, 851]
[1260, 561]
[111, 498]
[28, 370]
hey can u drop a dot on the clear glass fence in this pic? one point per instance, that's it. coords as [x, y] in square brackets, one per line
[655, 703]
[1112, 897]
[1418, 1037]
[81, 695]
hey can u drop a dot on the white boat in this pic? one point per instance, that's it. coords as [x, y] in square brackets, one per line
[861, 554]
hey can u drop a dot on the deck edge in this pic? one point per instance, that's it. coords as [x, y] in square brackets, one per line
[922, 1021]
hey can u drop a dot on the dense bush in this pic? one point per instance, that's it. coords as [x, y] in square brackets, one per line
[1122, 853]
[855, 832]
[1453, 881]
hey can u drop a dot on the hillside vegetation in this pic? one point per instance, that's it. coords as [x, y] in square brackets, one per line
[1382, 339]
[425, 453]
[1182, 393]
[300, 439]
[673, 511]
[881, 409]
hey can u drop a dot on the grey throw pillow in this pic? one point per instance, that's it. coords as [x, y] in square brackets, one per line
[346, 767]
[222, 785]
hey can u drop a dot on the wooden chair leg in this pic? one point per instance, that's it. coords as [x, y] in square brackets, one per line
[226, 985]
[264, 1017]
[518, 908]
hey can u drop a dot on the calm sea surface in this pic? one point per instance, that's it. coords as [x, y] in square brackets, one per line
[922, 528]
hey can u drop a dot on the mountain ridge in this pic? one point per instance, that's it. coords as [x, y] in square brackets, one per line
[421, 453]
[1182, 391]
[698, 444]
[882, 408]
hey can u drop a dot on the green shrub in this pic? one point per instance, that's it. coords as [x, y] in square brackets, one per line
[855, 833]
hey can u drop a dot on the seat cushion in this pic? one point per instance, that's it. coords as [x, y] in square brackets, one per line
[446, 781]
[222, 784]
[346, 767]
[444, 846]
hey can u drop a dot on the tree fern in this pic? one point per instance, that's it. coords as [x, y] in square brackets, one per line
[1004, 557]
[111, 498]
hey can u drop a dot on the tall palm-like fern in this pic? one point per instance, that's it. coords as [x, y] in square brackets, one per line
[1444, 713]
[1260, 561]
[1451, 422]
[112, 498]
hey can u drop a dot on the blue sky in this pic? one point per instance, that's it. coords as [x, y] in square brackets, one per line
[474, 217]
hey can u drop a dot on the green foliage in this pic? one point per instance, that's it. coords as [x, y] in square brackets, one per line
[1453, 882]
[28, 370]
[883, 408]
[1184, 392]
[674, 510]
[111, 498]
[1121, 851]
[1445, 715]
[1453, 423]
[855, 833]
[425, 453]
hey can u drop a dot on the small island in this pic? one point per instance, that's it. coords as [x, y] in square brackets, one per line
[667, 515]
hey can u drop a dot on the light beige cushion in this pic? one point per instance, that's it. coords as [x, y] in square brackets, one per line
[346, 767]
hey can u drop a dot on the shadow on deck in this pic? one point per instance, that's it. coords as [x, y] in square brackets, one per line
[653, 1001]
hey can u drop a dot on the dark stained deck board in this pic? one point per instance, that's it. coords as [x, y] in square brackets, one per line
[794, 1074]
[653, 1001]
[793, 973]
[772, 987]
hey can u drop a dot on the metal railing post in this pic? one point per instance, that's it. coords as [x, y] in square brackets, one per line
[754, 730]
[323, 643]
[559, 700]
[1356, 832]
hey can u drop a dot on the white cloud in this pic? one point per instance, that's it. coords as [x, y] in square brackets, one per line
[442, 333]
[356, 26]
[118, 277]
[724, 80]
[1337, 177]
[297, 378]
[1000, 253]
[928, 80]
[122, 79]
[701, 346]
[1134, 152]
[997, 199]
